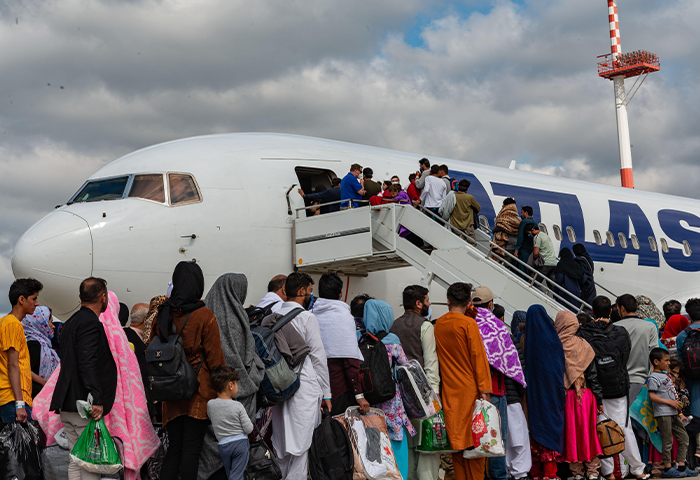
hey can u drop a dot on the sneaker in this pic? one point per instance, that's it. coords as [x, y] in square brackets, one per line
[672, 473]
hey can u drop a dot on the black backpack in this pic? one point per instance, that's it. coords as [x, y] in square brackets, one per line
[170, 375]
[331, 456]
[376, 379]
[256, 314]
[691, 354]
[612, 373]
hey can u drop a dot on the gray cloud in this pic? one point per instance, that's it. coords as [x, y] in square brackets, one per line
[516, 82]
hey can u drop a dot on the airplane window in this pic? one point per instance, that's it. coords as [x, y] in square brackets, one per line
[664, 245]
[686, 248]
[484, 222]
[652, 244]
[611, 238]
[96, 190]
[543, 227]
[623, 239]
[598, 238]
[149, 187]
[557, 232]
[635, 241]
[183, 189]
[571, 234]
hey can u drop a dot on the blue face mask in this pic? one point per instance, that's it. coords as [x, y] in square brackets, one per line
[312, 300]
[430, 313]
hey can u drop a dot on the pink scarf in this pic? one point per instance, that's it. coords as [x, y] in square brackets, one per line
[128, 420]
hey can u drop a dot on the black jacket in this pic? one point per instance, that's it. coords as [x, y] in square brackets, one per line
[87, 365]
[515, 391]
[591, 376]
[326, 196]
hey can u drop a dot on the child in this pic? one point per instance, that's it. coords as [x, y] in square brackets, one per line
[230, 421]
[666, 411]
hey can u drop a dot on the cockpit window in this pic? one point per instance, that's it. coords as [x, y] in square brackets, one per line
[107, 189]
[183, 189]
[149, 187]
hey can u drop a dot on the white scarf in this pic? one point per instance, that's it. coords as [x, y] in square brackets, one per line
[337, 327]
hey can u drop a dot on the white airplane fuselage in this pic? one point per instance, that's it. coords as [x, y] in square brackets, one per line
[241, 221]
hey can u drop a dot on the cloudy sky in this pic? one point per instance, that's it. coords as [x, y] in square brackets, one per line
[85, 82]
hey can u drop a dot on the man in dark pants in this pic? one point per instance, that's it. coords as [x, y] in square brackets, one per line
[87, 368]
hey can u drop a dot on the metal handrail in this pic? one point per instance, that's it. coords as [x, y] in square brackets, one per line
[534, 281]
[599, 285]
[297, 210]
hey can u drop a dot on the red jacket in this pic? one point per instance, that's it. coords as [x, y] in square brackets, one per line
[413, 192]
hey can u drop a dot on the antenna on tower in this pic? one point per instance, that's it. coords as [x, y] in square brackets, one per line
[616, 67]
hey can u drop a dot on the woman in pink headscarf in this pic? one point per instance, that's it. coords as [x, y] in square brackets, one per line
[128, 420]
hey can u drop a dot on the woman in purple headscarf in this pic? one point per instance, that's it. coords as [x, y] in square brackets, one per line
[39, 331]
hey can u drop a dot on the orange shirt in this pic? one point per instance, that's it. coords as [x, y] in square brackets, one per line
[465, 372]
[12, 336]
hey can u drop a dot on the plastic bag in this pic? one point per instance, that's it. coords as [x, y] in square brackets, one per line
[372, 446]
[433, 436]
[419, 399]
[95, 450]
[19, 452]
[486, 432]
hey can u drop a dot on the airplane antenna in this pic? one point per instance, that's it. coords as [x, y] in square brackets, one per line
[616, 67]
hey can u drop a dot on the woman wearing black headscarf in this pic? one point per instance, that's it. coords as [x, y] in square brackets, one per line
[569, 275]
[186, 420]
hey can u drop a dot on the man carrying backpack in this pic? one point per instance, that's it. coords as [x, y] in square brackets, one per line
[686, 342]
[612, 347]
[418, 342]
[294, 421]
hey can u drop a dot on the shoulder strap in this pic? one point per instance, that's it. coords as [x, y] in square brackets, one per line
[184, 323]
[287, 318]
[381, 335]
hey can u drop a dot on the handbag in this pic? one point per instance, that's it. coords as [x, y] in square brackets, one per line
[611, 437]
[262, 463]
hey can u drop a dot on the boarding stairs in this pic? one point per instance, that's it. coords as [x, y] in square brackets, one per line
[361, 240]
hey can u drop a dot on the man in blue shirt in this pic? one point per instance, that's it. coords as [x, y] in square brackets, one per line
[351, 188]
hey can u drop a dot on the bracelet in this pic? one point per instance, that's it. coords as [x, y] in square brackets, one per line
[360, 396]
[19, 404]
[327, 398]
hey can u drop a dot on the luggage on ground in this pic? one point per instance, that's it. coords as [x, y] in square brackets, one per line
[19, 451]
[262, 463]
[370, 439]
[486, 432]
[331, 456]
[375, 371]
[55, 461]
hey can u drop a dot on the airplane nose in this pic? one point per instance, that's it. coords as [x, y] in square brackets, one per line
[57, 251]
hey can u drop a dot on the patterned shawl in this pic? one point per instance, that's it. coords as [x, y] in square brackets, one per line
[128, 420]
[37, 328]
[502, 354]
[646, 309]
[151, 316]
[507, 223]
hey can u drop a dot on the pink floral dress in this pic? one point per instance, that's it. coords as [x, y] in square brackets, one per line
[396, 417]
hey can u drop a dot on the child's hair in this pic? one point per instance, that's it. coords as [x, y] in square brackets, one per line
[221, 376]
[675, 364]
[657, 354]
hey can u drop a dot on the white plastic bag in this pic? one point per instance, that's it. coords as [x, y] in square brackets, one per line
[486, 432]
[370, 440]
[419, 399]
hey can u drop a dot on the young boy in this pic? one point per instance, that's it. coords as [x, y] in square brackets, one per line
[667, 409]
[15, 366]
[230, 421]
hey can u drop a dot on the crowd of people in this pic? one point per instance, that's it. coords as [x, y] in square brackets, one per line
[549, 379]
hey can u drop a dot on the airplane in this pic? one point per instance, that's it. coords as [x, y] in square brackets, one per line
[226, 201]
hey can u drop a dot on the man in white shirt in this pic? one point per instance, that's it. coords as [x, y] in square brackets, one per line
[294, 421]
[276, 293]
[434, 191]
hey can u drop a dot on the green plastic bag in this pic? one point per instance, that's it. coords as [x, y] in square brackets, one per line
[434, 435]
[95, 450]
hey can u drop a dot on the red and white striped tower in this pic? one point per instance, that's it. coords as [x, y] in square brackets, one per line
[623, 129]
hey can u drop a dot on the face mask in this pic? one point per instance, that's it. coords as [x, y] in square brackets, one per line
[430, 313]
[310, 302]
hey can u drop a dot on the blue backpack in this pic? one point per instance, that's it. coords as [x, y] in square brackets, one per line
[280, 381]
